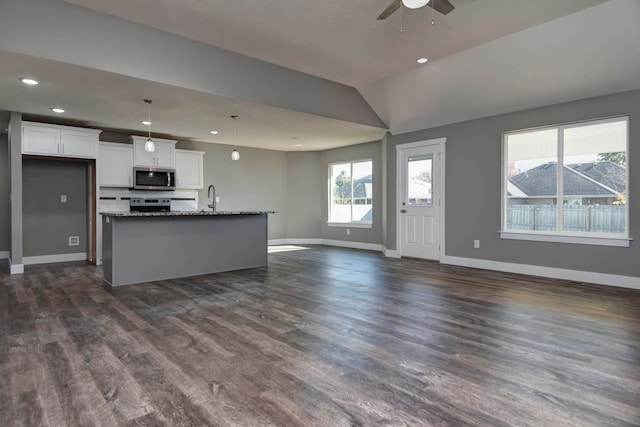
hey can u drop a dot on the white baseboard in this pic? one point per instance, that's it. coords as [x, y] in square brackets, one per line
[353, 245]
[4, 254]
[15, 268]
[551, 272]
[328, 242]
[48, 259]
[391, 253]
[275, 242]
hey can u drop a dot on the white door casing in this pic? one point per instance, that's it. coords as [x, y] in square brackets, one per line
[420, 199]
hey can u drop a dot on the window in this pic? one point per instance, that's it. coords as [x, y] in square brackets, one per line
[567, 183]
[351, 193]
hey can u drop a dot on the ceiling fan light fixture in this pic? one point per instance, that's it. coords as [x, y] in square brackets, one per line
[415, 4]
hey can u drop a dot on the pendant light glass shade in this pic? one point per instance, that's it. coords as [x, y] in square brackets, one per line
[235, 154]
[149, 145]
[414, 4]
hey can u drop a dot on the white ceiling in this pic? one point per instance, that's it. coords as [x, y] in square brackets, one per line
[486, 57]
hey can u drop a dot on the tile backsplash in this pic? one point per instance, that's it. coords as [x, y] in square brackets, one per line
[117, 199]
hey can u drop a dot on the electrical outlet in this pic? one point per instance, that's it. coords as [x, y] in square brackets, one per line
[74, 241]
[63, 198]
[217, 199]
[348, 231]
[476, 244]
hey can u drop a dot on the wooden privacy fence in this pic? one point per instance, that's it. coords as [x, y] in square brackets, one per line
[592, 218]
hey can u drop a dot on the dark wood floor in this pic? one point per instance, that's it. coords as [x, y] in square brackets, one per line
[323, 336]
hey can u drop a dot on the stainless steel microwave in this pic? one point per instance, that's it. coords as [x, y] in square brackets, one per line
[154, 179]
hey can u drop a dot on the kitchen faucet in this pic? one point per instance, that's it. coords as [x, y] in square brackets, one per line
[212, 188]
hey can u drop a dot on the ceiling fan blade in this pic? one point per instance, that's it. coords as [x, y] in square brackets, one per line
[442, 6]
[395, 5]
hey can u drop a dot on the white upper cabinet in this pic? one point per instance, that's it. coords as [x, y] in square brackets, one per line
[163, 157]
[60, 141]
[189, 169]
[115, 165]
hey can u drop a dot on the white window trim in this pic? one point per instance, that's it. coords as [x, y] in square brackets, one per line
[599, 239]
[352, 224]
[602, 240]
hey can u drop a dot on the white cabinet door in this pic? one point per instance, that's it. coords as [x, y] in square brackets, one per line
[115, 163]
[60, 141]
[163, 157]
[40, 140]
[78, 143]
[189, 169]
[165, 154]
[142, 157]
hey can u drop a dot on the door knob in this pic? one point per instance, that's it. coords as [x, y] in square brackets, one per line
[403, 211]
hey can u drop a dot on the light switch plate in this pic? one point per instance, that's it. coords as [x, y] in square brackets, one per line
[63, 198]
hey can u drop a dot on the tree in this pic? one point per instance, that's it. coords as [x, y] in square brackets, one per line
[342, 189]
[619, 158]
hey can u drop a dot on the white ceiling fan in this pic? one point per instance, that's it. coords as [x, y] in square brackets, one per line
[442, 6]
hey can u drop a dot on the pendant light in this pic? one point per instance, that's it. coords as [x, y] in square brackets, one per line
[414, 4]
[149, 145]
[235, 155]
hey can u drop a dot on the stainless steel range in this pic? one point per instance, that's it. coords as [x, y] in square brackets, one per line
[150, 204]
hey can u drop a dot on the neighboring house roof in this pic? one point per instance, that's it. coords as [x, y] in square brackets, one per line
[362, 188]
[606, 173]
[604, 179]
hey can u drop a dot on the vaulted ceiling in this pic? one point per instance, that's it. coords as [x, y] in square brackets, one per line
[309, 75]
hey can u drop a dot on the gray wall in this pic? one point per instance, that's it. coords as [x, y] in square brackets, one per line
[258, 181]
[305, 176]
[47, 222]
[473, 179]
[15, 171]
[5, 204]
[370, 150]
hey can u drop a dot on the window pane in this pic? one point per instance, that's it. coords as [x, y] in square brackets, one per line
[362, 192]
[595, 178]
[351, 192]
[340, 208]
[532, 183]
[419, 182]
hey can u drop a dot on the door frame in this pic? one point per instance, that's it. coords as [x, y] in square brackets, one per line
[440, 144]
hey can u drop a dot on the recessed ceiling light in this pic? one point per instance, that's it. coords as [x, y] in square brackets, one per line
[146, 122]
[422, 60]
[213, 132]
[297, 145]
[29, 81]
[57, 110]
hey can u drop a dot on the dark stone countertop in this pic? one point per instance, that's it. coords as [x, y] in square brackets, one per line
[182, 213]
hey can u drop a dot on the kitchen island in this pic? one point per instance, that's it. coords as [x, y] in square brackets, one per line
[146, 246]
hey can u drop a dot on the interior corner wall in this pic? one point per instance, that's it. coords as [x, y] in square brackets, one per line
[257, 182]
[369, 150]
[473, 185]
[304, 195]
[15, 172]
[5, 205]
[48, 223]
